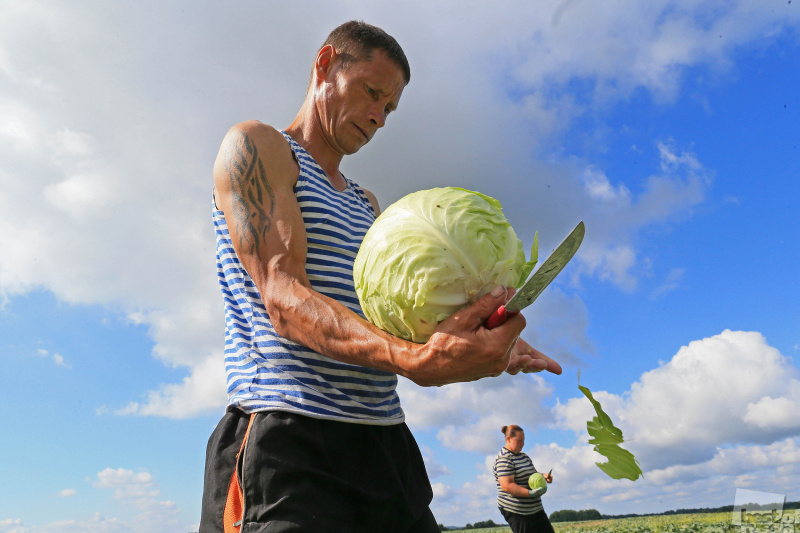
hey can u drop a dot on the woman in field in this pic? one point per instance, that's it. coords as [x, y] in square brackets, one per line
[520, 506]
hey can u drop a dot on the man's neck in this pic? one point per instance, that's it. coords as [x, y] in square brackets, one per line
[306, 131]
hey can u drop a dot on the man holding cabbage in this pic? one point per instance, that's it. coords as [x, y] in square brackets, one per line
[314, 437]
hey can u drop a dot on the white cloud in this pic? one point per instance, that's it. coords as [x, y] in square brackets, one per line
[622, 45]
[615, 216]
[11, 525]
[200, 392]
[441, 492]
[735, 462]
[727, 389]
[127, 484]
[770, 413]
[140, 491]
[90, 212]
[110, 147]
[110, 122]
[138, 494]
[599, 187]
[96, 524]
[465, 413]
[720, 414]
[724, 374]
[57, 358]
[122, 205]
[612, 263]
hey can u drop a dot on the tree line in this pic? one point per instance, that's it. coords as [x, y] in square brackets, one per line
[476, 525]
[568, 515]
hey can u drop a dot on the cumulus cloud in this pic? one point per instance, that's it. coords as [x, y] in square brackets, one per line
[615, 216]
[102, 211]
[138, 494]
[625, 45]
[106, 153]
[109, 128]
[140, 491]
[202, 391]
[464, 413]
[127, 484]
[727, 389]
[720, 414]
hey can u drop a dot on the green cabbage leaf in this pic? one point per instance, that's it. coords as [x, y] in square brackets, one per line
[607, 439]
[432, 253]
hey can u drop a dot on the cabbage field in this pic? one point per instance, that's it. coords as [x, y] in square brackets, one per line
[788, 522]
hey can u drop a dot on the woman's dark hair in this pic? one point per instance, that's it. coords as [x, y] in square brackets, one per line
[510, 431]
[355, 40]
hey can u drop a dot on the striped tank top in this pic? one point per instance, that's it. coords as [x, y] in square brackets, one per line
[268, 372]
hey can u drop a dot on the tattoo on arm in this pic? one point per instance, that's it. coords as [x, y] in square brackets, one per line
[253, 198]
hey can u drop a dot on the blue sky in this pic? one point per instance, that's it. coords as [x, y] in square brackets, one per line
[670, 128]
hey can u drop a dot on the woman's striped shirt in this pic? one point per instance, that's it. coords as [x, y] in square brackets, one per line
[521, 467]
[268, 372]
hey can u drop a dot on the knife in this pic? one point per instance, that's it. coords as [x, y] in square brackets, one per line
[540, 279]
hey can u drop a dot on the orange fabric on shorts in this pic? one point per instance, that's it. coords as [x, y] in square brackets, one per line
[234, 504]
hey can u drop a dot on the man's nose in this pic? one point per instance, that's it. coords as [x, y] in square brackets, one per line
[377, 115]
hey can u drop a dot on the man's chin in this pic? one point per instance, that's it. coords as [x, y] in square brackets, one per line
[350, 150]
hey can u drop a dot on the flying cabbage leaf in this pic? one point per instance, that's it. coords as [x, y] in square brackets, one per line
[607, 439]
[432, 253]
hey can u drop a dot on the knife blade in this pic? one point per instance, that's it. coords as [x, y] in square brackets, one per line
[546, 273]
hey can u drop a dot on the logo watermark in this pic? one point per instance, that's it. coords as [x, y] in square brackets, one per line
[755, 511]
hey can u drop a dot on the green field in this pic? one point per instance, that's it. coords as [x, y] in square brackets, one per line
[680, 523]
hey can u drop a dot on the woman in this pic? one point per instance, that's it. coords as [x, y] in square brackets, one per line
[520, 506]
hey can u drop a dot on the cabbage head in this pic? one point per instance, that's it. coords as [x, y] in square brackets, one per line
[433, 253]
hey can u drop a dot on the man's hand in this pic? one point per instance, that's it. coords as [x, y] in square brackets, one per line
[462, 349]
[525, 358]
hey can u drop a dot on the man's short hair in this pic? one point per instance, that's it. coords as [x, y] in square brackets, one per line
[356, 40]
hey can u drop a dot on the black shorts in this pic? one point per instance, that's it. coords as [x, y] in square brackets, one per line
[305, 474]
[528, 523]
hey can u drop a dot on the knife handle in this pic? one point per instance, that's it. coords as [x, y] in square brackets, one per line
[499, 317]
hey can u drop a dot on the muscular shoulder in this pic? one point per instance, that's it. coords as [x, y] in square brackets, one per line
[262, 134]
[253, 143]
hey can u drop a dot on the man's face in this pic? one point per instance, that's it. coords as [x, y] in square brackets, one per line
[356, 100]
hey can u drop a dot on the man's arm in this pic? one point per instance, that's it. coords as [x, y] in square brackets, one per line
[254, 177]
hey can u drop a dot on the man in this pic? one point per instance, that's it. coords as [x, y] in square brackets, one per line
[314, 437]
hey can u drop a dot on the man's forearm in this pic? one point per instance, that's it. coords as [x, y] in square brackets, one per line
[460, 349]
[324, 325]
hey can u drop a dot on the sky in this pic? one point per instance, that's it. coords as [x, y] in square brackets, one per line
[669, 127]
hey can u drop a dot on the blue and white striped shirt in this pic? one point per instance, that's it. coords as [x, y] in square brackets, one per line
[268, 372]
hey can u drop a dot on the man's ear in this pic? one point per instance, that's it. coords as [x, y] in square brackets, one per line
[324, 61]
